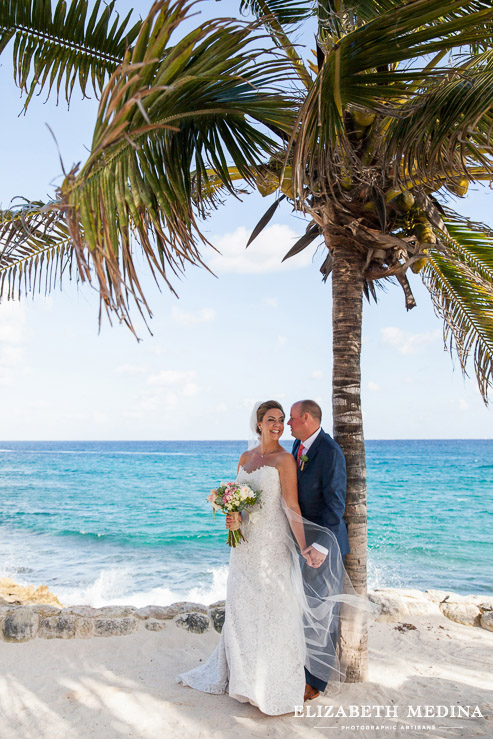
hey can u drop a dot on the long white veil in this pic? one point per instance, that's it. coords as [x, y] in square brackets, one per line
[329, 604]
[254, 439]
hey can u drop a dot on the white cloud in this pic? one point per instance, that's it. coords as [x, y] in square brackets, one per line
[10, 356]
[272, 302]
[407, 343]
[317, 374]
[131, 369]
[12, 323]
[204, 315]
[165, 390]
[151, 402]
[463, 405]
[373, 387]
[264, 255]
[190, 389]
[171, 377]
[281, 340]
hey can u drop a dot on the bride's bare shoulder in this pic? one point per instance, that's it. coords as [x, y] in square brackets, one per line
[285, 461]
[244, 457]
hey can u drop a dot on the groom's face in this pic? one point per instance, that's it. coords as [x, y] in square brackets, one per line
[297, 422]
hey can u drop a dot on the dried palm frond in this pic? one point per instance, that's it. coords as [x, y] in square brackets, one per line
[459, 277]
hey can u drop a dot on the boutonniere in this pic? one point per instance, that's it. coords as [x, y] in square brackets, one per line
[304, 460]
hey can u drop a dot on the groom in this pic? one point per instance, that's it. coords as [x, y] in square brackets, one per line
[321, 490]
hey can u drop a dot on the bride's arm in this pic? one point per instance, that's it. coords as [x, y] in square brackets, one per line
[289, 487]
[242, 460]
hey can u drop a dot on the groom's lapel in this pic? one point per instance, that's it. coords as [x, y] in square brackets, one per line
[294, 451]
[312, 452]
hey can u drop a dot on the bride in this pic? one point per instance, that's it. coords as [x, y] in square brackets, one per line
[280, 608]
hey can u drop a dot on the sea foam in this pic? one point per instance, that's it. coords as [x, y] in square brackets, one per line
[114, 587]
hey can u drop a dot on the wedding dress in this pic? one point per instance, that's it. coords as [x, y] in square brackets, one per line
[261, 654]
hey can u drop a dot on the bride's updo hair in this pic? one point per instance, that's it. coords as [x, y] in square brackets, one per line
[264, 407]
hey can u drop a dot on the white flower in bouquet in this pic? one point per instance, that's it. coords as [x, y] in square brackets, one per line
[231, 497]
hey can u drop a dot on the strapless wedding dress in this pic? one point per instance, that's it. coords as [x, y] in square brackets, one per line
[261, 653]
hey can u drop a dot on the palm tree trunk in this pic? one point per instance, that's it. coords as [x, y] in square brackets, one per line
[347, 313]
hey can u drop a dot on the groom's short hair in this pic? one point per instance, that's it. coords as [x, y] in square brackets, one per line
[309, 406]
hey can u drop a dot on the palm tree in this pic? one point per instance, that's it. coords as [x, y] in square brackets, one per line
[395, 109]
[399, 111]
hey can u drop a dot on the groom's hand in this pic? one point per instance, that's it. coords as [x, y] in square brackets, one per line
[233, 521]
[306, 554]
[316, 558]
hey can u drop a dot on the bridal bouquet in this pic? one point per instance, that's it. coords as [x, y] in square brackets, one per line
[233, 497]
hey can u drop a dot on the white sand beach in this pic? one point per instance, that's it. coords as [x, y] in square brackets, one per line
[124, 686]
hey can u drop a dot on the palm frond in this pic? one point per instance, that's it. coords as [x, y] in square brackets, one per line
[474, 247]
[447, 128]
[286, 12]
[364, 11]
[266, 218]
[279, 18]
[166, 111]
[359, 70]
[54, 49]
[36, 250]
[459, 277]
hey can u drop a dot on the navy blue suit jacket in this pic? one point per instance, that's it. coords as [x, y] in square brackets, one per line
[322, 487]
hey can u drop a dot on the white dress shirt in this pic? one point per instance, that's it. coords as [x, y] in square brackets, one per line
[308, 442]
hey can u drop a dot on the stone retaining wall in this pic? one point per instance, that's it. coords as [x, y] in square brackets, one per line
[397, 605]
[20, 623]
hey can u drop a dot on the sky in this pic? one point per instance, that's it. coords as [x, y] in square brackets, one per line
[258, 329]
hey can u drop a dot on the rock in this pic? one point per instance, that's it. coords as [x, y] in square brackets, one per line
[116, 611]
[184, 607]
[47, 611]
[390, 608]
[13, 593]
[475, 599]
[438, 595]
[57, 627]
[400, 592]
[194, 622]
[20, 625]
[486, 620]
[486, 604]
[462, 613]
[115, 626]
[159, 612]
[397, 605]
[84, 628]
[217, 604]
[155, 625]
[217, 615]
[83, 611]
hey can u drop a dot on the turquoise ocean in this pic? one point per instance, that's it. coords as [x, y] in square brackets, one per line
[127, 522]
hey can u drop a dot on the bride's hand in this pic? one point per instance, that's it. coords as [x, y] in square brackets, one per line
[233, 521]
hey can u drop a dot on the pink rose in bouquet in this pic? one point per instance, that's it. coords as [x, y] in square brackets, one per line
[233, 497]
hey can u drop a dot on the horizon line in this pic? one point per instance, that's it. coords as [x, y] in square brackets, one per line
[95, 441]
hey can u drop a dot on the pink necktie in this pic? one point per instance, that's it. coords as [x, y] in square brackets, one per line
[299, 454]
